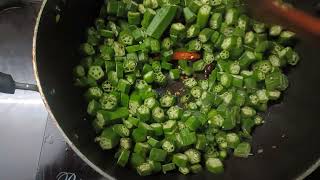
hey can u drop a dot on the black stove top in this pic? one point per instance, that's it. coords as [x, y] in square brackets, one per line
[57, 160]
[31, 145]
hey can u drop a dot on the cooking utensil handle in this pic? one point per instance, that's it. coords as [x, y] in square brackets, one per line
[8, 85]
[273, 12]
[296, 19]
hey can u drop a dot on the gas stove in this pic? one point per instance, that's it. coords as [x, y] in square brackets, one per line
[31, 145]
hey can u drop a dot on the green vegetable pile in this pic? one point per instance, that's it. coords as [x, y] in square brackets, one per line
[128, 73]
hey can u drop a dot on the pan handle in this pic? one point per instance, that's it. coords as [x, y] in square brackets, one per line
[8, 85]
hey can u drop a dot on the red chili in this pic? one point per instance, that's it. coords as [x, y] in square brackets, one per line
[186, 56]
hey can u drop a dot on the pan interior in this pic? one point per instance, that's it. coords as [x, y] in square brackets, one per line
[289, 138]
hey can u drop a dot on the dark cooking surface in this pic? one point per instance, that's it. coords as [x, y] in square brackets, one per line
[31, 145]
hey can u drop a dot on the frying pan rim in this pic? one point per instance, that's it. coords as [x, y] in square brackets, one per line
[303, 175]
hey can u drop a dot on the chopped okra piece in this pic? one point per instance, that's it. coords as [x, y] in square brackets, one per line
[196, 168]
[167, 101]
[276, 81]
[161, 21]
[275, 30]
[79, 71]
[93, 107]
[187, 138]
[123, 157]
[198, 66]
[139, 135]
[146, 127]
[203, 16]
[232, 140]
[168, 146]
[151, 102]
[156, 166]
[158, 114]
[142, 148]
[149, 77]
[108, 139]
[96, 72]
[144, 169]
[119, 49]
[168, 167]
[108, 101]
[177, 30]
[214, 165]
[107, 86]
[174, 113]
[262, 96]
[169, 126]
[274, 95]
[194, 156]
[195, 5]
[160, 78]
[153, 142]
[121, 130]
[201, 142]
[258, 120]
[205, 35]
[147, 17]
[242, 150]
[143, 113]
[247, 112]
[184, 170]
[194, 45]
[158, 155]
[123, 86]
[189, 16]
[93, 93]
[174, 74]
[136, 159]
[193, 31]
[190, 82]
[155, 45]
[87, 49]
[196, 92]
[157, 128]
[166, 43]
[134, 18]
[193, 123]
[126, 38]
[129, 65]
[286, 37]
[180, 160]
[231, 16]
[125, 143]
[208, 57]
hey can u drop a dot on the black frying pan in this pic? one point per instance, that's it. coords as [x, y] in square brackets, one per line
[289, 138]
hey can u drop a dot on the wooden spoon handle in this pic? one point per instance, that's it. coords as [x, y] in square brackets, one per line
[290, 17]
